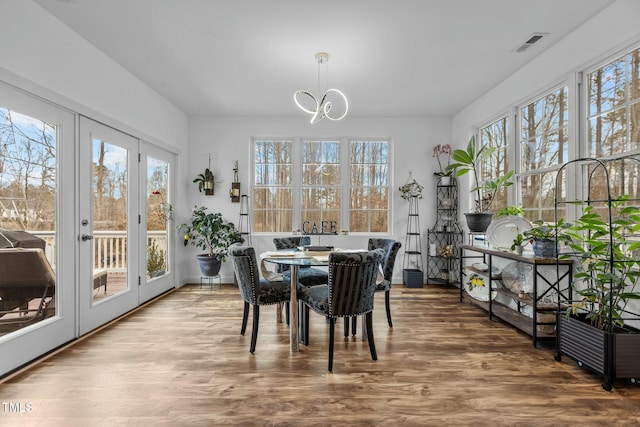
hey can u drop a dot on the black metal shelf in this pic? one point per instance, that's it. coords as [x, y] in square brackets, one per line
[544, 282]
[445, 237]
[412, 275]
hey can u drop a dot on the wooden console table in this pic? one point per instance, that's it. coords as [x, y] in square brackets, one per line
[515, 316]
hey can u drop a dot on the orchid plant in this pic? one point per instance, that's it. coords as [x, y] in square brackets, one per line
[443, 150]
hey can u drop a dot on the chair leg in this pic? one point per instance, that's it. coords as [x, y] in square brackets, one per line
[254, 331]
[372, 344]
[306, 325]
[288, 316]
[346, 327]
[388, 307]
[332, 323]
[245, 317]
[301, 328]
[354, 325]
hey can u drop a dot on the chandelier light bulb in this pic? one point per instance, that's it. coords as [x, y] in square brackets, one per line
[320, 108]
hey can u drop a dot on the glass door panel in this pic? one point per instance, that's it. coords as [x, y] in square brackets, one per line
[27, 220]
[110, 180]
[37, 310]
[108, 224]
[157, 166]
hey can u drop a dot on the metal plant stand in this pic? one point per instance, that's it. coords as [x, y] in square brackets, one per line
[412, 275]
[445, 237]
[244, 223]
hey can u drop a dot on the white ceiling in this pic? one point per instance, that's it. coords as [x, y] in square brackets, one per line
[390, 57]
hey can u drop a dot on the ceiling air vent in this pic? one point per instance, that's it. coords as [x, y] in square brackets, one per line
[534, 38]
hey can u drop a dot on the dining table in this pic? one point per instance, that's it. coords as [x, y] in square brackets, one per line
[295, 260]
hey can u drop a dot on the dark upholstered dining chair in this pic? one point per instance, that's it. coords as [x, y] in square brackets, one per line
[307, 276]
[350, 292]
[255, 291]
[390, 248]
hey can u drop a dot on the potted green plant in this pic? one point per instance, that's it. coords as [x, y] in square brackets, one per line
[545, 236]
[469, 161]
[606, 253]
[518, 244]
[210, 232]
[206, 182]
[510, 210]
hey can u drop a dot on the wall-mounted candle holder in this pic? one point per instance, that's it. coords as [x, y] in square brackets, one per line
[234, 193]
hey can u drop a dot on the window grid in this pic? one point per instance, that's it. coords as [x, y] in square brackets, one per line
[328, 172]
[321, 181]
[273, 186]
[369, 199]
[495, 134]
[543, 141]
[613, 113]
[613, 123]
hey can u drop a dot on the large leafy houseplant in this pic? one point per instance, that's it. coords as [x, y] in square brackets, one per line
[469, 161]
[210, 232]
[595, 331]
[608, 270]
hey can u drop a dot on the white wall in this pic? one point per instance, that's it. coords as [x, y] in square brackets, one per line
[228, 139]
[42, 56]
[41, 50]
[615, 28]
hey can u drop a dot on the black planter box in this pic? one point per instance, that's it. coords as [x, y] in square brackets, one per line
[610, 354]
[412, 278]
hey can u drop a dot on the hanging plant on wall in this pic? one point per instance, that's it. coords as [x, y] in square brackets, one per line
[205, 182]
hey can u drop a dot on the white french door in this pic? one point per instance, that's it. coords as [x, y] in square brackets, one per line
[108, 224]
[93, 206]
[156, 198]
[37, 184]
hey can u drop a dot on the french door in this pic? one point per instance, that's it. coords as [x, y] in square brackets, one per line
[87, 210]
[108, 224]
[156, 196]
[37, 211]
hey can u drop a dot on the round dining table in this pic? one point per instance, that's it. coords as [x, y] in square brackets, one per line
[295, 260]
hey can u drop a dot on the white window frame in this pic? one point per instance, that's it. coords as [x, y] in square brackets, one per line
[572, 148]
[345, 180]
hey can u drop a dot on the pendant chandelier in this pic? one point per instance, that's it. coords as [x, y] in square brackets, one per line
[321, 108]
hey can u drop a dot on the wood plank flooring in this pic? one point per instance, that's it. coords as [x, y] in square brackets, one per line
[181, 361]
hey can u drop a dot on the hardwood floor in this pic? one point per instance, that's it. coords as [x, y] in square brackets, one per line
[181, 361]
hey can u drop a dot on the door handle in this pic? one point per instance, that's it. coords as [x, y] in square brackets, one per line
[86, 237]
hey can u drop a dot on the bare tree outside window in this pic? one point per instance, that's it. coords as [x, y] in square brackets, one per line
[359, 205]
[369, 199]
[321, 182]
[496, 135]
[27, 203]
[273, 186]
[27, 172]
[544, 147]
[614, 123]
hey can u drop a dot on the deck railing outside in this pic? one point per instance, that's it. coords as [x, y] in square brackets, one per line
[109, 247]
